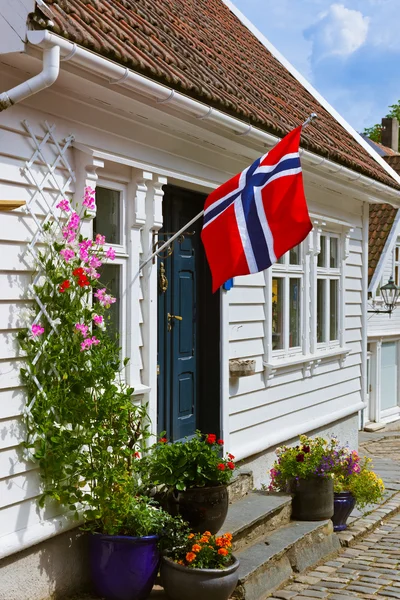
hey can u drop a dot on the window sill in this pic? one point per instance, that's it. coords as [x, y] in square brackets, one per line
[308, 362]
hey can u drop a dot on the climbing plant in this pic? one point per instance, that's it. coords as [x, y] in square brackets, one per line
[82, 427]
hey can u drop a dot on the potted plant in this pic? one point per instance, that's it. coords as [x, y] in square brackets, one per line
[83, 429]
[202, 568]
[355, 484]
[126, 545]
[306, 471]
[194, 476]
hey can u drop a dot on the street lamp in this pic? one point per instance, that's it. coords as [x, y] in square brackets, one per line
[390, 294]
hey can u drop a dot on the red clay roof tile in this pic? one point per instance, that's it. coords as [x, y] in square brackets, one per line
[199, 47]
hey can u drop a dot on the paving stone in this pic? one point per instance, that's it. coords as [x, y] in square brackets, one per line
[285, 594]
[314, 594]
[376, 580]
[326, 569]
[330, 585]
[364, 589]
[308, 579]
[392, 593]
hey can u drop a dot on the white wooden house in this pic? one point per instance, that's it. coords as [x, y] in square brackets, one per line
[383, 328]
[154, 104]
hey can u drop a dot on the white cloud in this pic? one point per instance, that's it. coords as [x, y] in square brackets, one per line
[339, 31]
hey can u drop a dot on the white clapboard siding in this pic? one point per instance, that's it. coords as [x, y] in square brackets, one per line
[259, 407]
[19, 479]
[304, 420]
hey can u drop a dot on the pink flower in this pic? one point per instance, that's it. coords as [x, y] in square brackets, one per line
[82, 328]
[98, 319]
[95, 341]
[88, 342]
[37, 330]
[100, 239]
[67, 254]
[89, 198]
[110, 253]
[92, 273]
[108, 300]
[69, 235]
[63, 205]
[74, 221]
[100, 293]
[95, 262]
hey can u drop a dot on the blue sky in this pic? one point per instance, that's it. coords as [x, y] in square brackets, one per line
[349, 50]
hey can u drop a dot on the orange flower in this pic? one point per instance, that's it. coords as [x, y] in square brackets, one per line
[207, 533]
[228, 536]
[204, 539]
[190, 536]
[196, 548]
[180, 562]
[190, 556]
[219, 541]
[223, 551]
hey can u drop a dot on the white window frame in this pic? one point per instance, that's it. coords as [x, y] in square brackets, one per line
[312, 353]
[286, 271]
[327, 274]
[121, 260]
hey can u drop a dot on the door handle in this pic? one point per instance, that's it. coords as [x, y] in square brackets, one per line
[170, 317]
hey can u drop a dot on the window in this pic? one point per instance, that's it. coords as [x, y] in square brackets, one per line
[287, 285]
[110, 222]
[328, 277]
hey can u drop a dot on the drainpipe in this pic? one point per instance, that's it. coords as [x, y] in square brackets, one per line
[44, 79]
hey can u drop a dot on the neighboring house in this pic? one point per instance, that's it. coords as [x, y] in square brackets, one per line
[384, 329]
[157, 103]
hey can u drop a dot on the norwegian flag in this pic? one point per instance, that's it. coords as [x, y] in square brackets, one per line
[254, 218]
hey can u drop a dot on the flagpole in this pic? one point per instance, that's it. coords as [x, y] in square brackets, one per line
[197, 217]
[171, 239]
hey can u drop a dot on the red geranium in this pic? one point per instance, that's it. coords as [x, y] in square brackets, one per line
[220, 442]
[83, 281]
[163, 440]
[211, 438]
[221, 467]
[230, 456]
[78, 272]
[231, 465]
[64, 286]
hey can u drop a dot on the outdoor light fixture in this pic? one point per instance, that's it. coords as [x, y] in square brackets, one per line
[390, 294]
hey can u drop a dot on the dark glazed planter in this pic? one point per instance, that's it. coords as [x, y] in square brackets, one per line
[344, 503]
[124, 567]
[313, 499]
[205, 509]
[182, 583]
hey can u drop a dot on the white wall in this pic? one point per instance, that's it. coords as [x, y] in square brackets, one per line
[260, 409]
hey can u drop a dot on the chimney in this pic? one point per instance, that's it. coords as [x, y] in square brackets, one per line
[390, 133]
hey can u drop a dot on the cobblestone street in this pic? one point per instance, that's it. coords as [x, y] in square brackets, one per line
[369, 569]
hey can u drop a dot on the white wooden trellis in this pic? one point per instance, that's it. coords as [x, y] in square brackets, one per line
[39, 172]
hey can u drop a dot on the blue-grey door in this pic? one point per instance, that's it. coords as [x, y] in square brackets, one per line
[183, 310]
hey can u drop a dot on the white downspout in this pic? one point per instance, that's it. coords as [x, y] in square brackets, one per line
[44, 79]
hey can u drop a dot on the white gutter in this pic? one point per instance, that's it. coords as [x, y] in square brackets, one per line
[118, 75]
[44, 79]
[306, 84]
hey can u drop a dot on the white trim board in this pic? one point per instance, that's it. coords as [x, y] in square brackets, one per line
[307, 85]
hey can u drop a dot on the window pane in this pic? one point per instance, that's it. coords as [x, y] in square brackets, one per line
[294, 313]
[322, 255]
[321, 304]
[397, 254]
[334, 262]
[396, 275]
[111, 279]
[333, 321]
[277, 313]
[108, 214]
[294, 256]
[281, 260]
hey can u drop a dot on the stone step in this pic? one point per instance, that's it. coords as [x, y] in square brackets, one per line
[255, 515]
[273, 559]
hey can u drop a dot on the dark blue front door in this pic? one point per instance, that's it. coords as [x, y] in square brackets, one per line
[184, 295]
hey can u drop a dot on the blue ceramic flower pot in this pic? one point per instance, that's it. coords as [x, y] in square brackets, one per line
[124, 567]
[343, 503]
